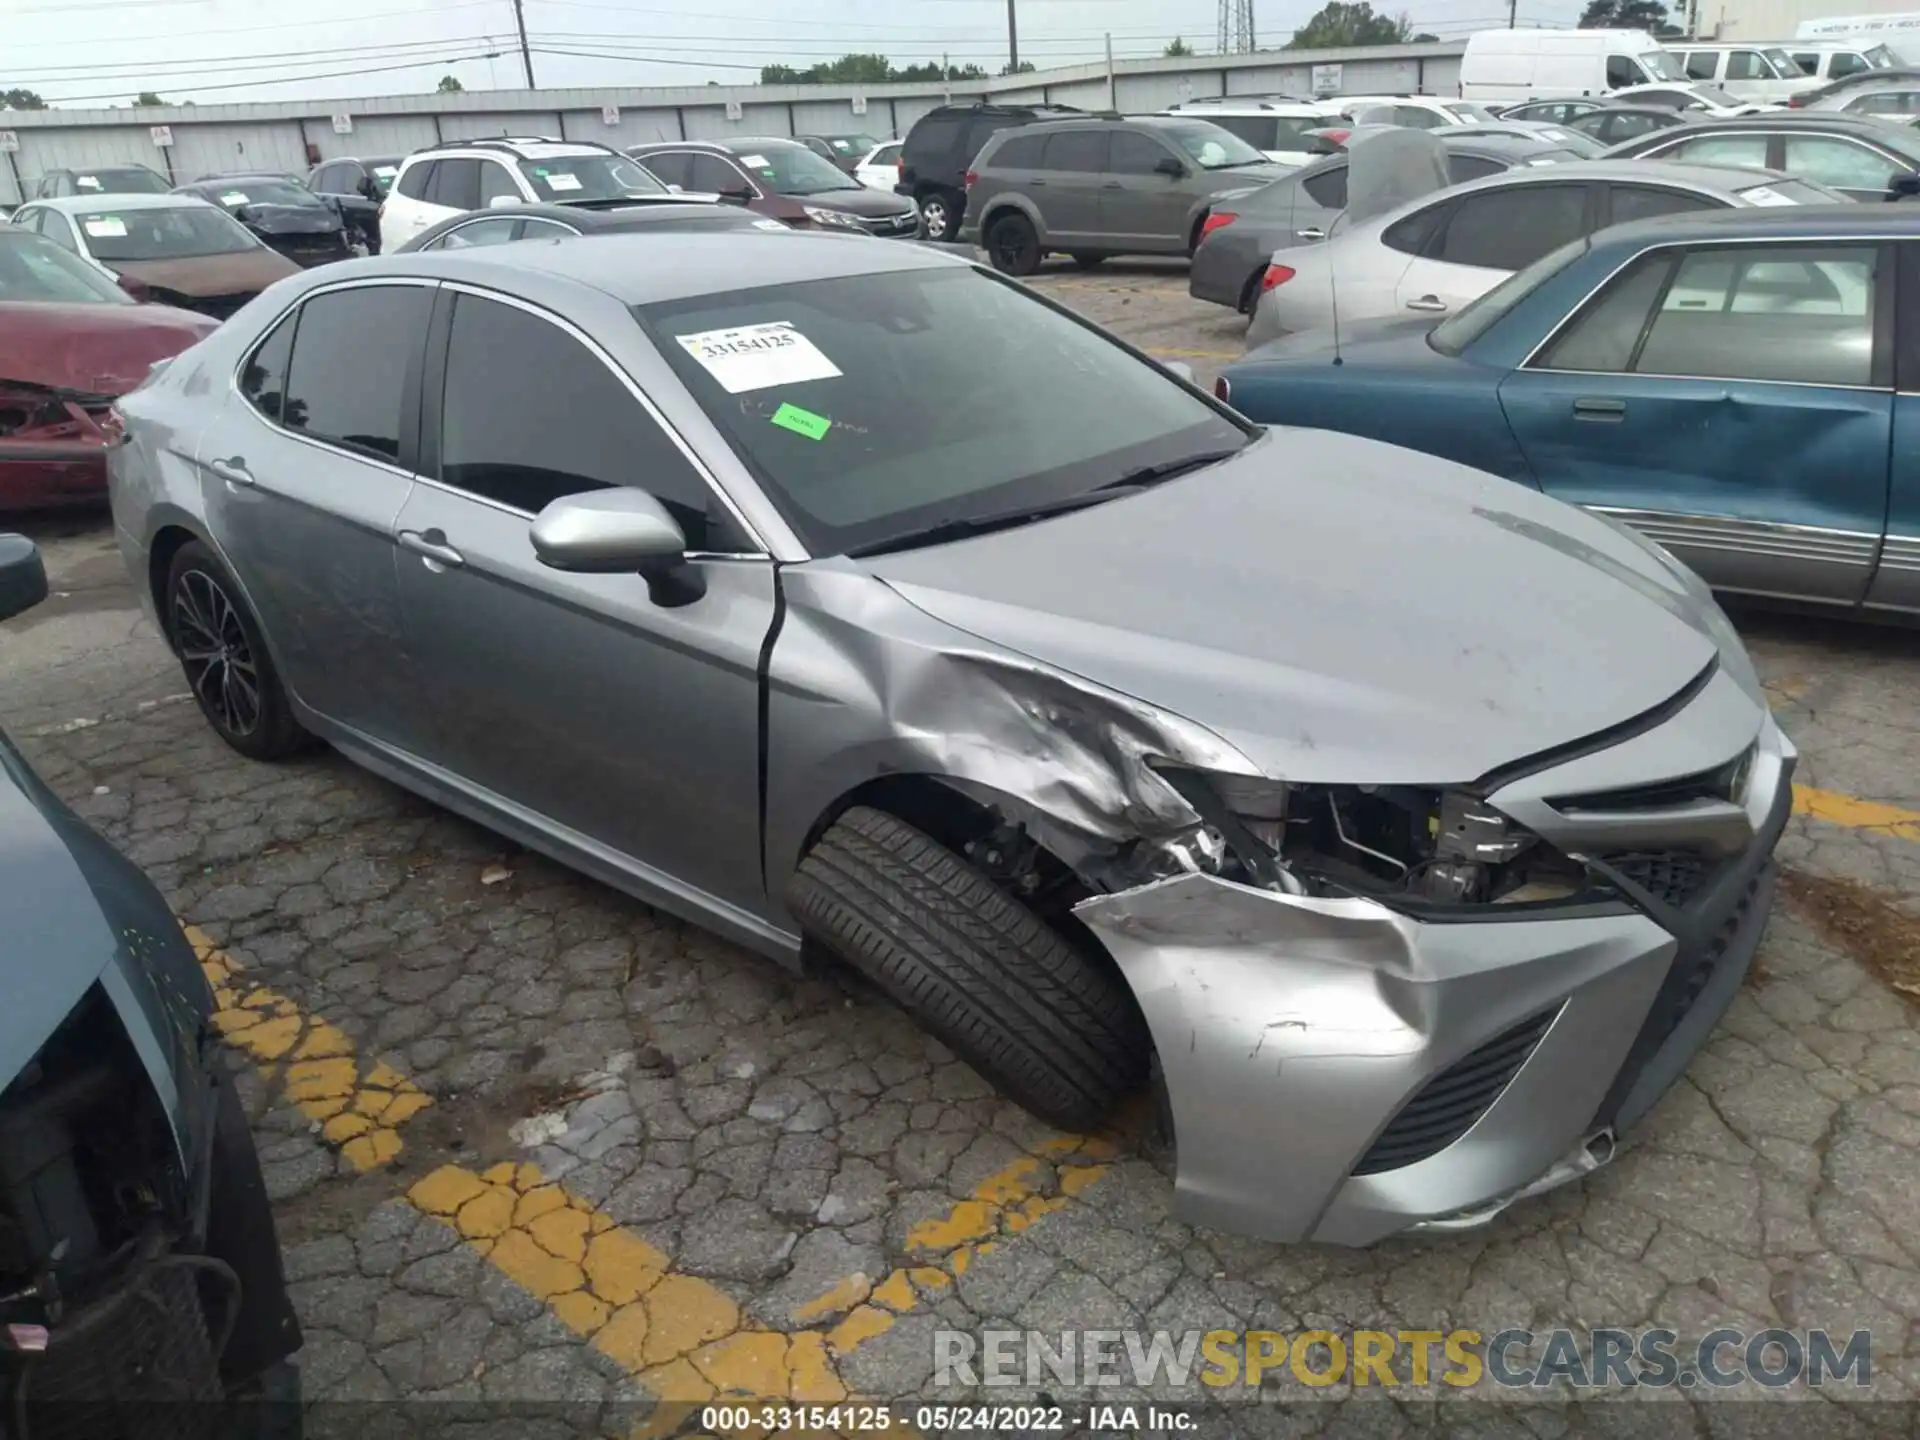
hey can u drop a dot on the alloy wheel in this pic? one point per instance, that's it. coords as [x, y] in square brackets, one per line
[934, 212]
[214, 650]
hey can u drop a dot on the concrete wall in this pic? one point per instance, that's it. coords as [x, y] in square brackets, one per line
[277, 136]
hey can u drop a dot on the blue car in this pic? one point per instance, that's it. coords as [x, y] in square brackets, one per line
[1738, 385]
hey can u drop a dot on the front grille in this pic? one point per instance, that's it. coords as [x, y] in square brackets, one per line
[1449, 1104]
[136, 1365]
[321, 250]
[893, 224]
[1673, 877]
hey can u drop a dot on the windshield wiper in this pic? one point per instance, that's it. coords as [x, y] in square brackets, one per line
[1000, 520]
[1142, 476]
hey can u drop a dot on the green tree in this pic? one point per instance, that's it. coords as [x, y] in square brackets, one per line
[449, 85]
[146, 98]
[1177, 48]
[18, 99]
[1025, 67]
[867, 70]
[1648, 15]
[1341, 24]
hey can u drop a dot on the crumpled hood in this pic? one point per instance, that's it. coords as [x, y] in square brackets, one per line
[100, 349]
[288, 219]
[244, 272]
[1339, 609]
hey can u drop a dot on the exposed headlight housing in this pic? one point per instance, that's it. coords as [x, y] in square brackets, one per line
[837, 219]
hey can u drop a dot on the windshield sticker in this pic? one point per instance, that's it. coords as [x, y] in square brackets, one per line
[1762, 195]
[105, 227]
[233, 197]
[754, 162]
[88, 182]
[386, 172]
[802, 422]
[756, 357]
[769, 225]
[560, 180]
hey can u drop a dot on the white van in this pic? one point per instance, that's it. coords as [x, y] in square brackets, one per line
[1278, 129]
[1514, 65]
[1827, 60]
[1764, 74]
[1900, 32]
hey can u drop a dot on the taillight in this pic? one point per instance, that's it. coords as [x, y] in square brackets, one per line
[1214, 221]
[1338, 137]
[1276, 275]
[1796, 102]
[972, 178]
[1222, 391]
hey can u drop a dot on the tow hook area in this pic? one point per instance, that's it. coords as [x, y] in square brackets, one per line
[1588, 1156]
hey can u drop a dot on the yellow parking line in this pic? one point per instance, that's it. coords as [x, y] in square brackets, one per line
[1191, 354]
[1855, 813]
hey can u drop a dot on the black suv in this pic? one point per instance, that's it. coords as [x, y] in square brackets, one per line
[940, 147]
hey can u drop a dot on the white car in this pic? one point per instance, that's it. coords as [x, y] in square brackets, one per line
[1690, 96]
[1431, 255]
[1415, 112]
[446, 180]
[1279, 129]
[879, 168]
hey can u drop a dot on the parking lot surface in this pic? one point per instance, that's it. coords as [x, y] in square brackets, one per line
[529, 1140]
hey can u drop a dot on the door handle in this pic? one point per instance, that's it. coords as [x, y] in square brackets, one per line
[233, 471]
[1312, 232]
[1427, 302]
[1036, 184]
[1599, 409]
[432, 547]
[1113, 185]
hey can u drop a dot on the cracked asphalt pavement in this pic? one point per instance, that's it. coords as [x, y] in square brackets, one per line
[530, 1141]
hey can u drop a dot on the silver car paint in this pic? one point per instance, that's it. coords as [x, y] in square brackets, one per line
[1295, 635]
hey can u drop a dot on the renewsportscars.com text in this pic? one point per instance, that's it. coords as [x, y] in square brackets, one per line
[1509, 1359]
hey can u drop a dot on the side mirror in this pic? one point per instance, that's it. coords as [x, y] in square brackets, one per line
[618, 532]
[500, 202]
[736, 195]
[23, 579]
[367, 188]
[1904, 187]
[137, 288]
[1170, 167]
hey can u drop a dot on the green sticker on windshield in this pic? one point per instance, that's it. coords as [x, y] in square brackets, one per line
[802, 422]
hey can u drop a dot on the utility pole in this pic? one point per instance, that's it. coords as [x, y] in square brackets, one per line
[1110, 104]
[526, 55]
[1013, 42]
[946, 75]
[1513, 14]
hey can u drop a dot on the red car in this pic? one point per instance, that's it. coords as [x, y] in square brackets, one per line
[71, 342]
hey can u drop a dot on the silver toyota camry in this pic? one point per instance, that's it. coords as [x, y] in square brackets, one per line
[1411, 829]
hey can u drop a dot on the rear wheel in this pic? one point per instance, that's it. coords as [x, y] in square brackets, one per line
[1250, 292]
[1051, 1026]
[940, 210]
[1013, 245]
[1088, 259]
[225, 658]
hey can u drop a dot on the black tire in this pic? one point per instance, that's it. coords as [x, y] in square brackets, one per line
[1051, 1027]
[1250, 292]
[1088, 259]
[941, 212]
[1013, 245]
[225, 658]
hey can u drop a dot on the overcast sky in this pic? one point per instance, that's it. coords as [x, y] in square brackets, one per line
[106, 51]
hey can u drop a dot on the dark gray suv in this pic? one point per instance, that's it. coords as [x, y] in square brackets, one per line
[1103, 186]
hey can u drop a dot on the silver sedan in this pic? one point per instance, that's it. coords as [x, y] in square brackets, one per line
[1432, 255]
[852, 601]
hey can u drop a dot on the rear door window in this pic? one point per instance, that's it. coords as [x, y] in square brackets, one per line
[1021, 152]
[1703, 65]
[1643, 202]
[352, 358]
[1603, 337]
[1746, 151]
[1328, 188]
[1511, 228]
[263, 379]
[1842, 163]
[1083, 151]
[1471, 167]
[1748, 65]
[414, 180]
[456, 184]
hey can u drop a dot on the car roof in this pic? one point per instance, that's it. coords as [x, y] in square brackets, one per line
[642, 269]
[1849, 121]
[732, 145]
[1771, 222]
[626, 217]
[76, 204]
[228, 176]
[1724, 178]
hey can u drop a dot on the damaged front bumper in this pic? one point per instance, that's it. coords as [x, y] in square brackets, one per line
[53, 447]
[1340, 1071]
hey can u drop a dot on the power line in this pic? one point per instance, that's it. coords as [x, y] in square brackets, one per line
[95, 42]
[421, 64]
[389, 50]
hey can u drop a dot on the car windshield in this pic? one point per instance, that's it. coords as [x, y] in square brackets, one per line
[1881, 58]
[1469, 112]
[257, 190]
[1583, 147]
[1460, 330]
[1662, 66]
[1783, 63]
[1791, 192]
[850, 144]
[789, 169]
[874, 408]
[37, 270]
[170, 232]
[588, 177]
[1212, 148]
[134, 180]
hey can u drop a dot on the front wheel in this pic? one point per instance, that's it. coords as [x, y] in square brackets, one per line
[1013, 245]
[225, 658]
[1039, 1017]
[941, 213]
